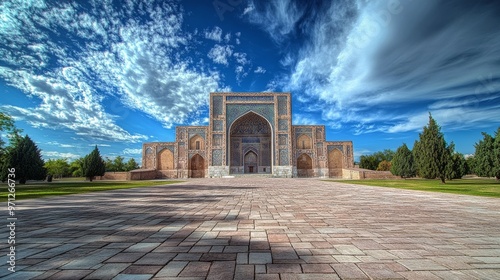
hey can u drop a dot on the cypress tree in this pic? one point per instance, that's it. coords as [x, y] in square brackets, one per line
[484, 158]
[430, 152]
[496, 155]
[93, 165]
[403, 162]
[26, 158]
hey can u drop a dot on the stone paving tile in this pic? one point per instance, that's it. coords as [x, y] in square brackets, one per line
[122, 276]
[260, 228]
[108, 271]
[349, 271]
[195, 269]
[173, 268]
[222, 270]
[142, 269]
[259, 258]
[71, 274]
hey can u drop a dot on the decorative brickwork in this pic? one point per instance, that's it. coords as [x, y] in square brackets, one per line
[248, 133]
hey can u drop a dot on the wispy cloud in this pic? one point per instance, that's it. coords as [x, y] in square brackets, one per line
[56, 155]
[214, 34]
[73, 59]
[129, 151]
[260, 70]
[278, 18]
[220, 54]
[367, 63]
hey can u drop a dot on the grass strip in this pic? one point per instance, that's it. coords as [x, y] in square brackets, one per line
[478, 187]
[65, 187]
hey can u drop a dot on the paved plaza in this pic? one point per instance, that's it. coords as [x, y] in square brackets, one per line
[257, 228]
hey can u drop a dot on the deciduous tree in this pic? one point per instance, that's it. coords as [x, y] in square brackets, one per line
[131, 165]
[57, 167]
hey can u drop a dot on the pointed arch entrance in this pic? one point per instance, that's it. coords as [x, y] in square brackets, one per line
[335, 163]
[197, 166]
[250, 149]
[304, 166]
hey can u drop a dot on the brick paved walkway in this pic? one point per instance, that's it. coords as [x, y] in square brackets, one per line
[257, 229]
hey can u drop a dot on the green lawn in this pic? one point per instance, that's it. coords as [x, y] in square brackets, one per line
[480, 187]
[69, 186]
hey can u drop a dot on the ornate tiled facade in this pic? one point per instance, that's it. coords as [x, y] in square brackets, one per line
[249, 133]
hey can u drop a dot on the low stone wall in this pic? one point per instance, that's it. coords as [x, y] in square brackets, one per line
[143, 174]
[166, 174]
[283, 171]
[117, 176]
[360, 174]
[218, 171]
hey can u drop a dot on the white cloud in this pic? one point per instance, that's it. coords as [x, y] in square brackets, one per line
[260, 70]
[55, 143]
[129, 151]
[278, 18]
[303, 119]
[248, 9]
[220, 54]
[241, 58]
[367, 63]
[54, 154]
[215, 34]
[104, 62]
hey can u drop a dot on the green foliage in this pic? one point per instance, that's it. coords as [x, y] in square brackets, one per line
[119, 165]
[384, 166]
[431, 153]
[484, 159]
[13, 133]
[76, 168]
[470, 164]
[372, 161]
[26, 158]
[457, 166]
[58, 168]
[487, 156]
[403, 163]
[93, 165]
[131, 165]
[496, 155]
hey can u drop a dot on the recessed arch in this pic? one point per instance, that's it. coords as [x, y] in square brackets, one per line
[197, 166]
[250, 132]
[335, 163]
[304, 142]
[165, 160]
[196, 143]
[304, 166]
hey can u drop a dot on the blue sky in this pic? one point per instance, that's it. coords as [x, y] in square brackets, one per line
[75, 74]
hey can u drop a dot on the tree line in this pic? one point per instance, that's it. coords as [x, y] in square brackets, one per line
[24, 155]
[433, 158]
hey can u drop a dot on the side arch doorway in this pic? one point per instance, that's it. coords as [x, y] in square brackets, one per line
[197, 166]
[335, 163]
[304, 166]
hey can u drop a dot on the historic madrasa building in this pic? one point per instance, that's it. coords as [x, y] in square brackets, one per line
[248, 133]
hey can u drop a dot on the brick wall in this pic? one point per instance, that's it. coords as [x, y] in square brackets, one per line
[360, 174]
